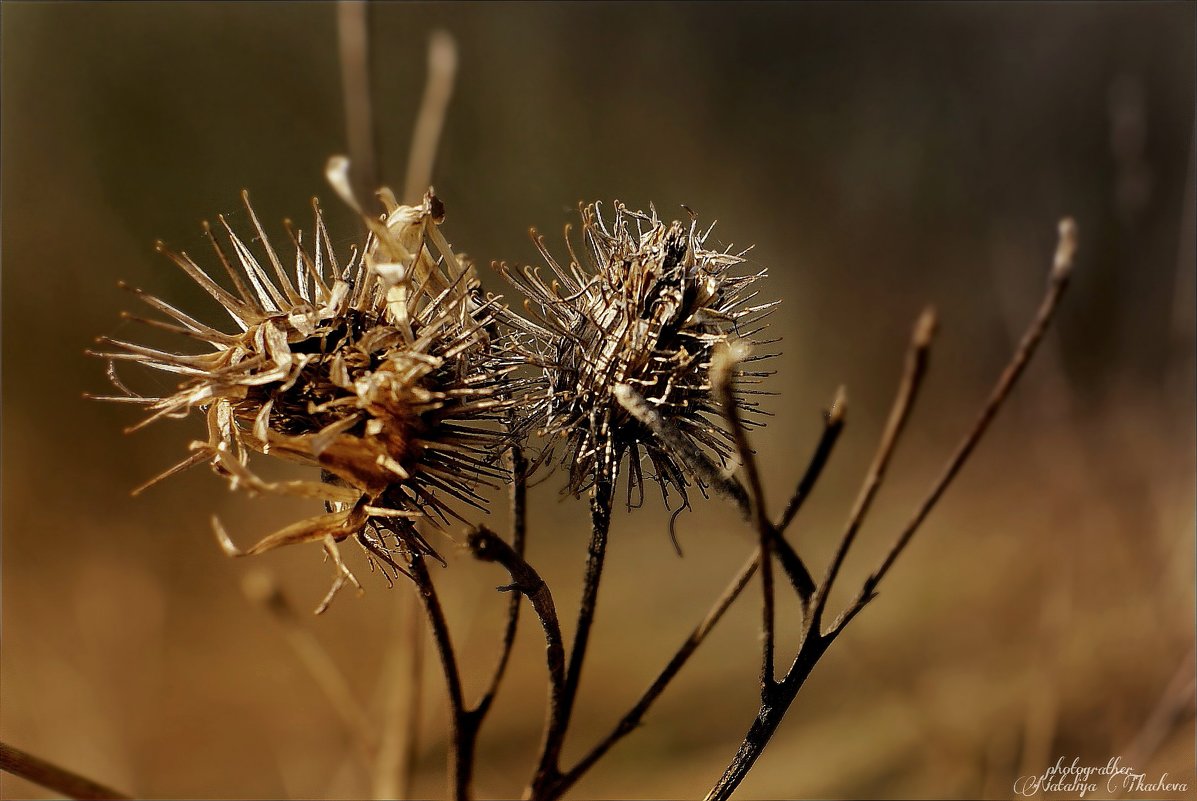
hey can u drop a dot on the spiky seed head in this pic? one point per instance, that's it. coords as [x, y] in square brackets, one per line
[643, 306]
[380, 370]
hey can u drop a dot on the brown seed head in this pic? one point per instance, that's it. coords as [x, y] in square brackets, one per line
[645, 307]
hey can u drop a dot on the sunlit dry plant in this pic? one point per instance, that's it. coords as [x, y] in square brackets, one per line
[643, 308]
[378, 370]
[402, 385]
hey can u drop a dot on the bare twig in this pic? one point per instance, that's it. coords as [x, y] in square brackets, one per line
[833, 424]
[467, 721]
[488, 546]
[912, 378]
[723, 366]
[462, 728]
[1057, 283]
[430, 121]
[548, 771]
[519, 503]
[51, 776]
[729, 486]
[814, 641]
[628, 723]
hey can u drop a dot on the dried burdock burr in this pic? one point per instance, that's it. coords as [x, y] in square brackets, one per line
[381, 370]
[642, 307]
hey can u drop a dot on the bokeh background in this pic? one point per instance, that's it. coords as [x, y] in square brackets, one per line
[878, 157]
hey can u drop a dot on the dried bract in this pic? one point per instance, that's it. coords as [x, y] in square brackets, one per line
[644, 309]
[382, 372]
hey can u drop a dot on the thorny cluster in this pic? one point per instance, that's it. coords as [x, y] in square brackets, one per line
[647, 313]
[388, 370]
[391, 372]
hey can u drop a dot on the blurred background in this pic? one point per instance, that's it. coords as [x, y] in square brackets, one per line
[879, 157]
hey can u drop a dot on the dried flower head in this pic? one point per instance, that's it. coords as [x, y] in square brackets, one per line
[644, 310]
[382, 373]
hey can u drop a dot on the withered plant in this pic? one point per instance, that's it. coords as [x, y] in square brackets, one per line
[389, 374]
[382, 373]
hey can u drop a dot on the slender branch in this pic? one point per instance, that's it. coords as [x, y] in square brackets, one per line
[465, 722]
[912, 378]
[628, 723]
[724, 484]
[51, 776]
[814, 642]
[833, 425]
[548, 770]
[519, 527]
[723, 366]
[770, 714]
[461, 726]
[1057, 283]
[708, 472]
[488, 546]
[430, 120]
[353, 38]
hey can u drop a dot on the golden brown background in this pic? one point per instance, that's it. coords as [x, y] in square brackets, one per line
[879, 157]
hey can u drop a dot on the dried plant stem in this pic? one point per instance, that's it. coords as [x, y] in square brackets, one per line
[519, 529]
[548, 771]
[463, 727]
[912, 379]
[815, 642]
[1057, 284]
[430, 120]
[353, 37]
[723, 366]
[51, 776]
[731, 488]
[630, 721]
[489, 547]
[465, 721]
[833, 426]
[769, 715]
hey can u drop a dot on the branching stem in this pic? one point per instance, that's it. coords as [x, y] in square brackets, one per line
[814, 641]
